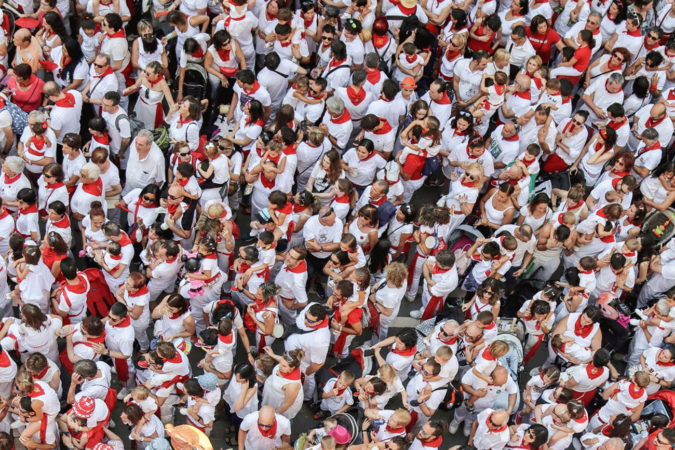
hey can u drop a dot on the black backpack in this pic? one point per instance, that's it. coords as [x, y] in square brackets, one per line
[454, 396]
[385, 65]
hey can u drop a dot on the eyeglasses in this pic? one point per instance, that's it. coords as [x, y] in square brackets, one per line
[100, 66]
[490, 293]
[310, 320]
[17, 388]
[424, 371]
[469, 176]
[576, 122]
[148, 199]
[445, 332]
[184, 154]
[224, 148]
[315, 92]
[470, 338]
[494, 424]
[264, 426]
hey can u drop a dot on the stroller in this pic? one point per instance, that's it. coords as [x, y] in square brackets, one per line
[349, 420]
[196, 81]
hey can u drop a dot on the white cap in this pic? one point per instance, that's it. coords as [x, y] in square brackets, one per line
[392, 170]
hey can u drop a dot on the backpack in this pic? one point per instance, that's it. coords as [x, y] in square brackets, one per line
[384, 66]
[135, 125]
[454, 396]
[19, 117]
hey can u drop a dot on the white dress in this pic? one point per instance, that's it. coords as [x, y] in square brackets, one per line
[231, 395]
[149, 108]
[274, 396]
[144, 58]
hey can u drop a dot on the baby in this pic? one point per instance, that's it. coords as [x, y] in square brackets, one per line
[112, 257]
[494, 88]
[408, 64]
[142, 396]
[318, 434]
[426, 140]
[566, 347]
[222, 354]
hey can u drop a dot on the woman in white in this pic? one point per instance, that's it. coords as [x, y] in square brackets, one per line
[656, 187]
[147, 48]
[400, 229]
[213, 279]
[217, 175]
[184, 120]
[548, 249]
[386, 376]
[536, 213]
[141, 204]
[33, 332]
[283, 389]
[221, 61]
[324, 175]
[173, 319]
[264, 313]
[51, 187]
[71, 70]
[595, 154]
[248, 128]
[485, 299]
[364, 227]
[184, 27]
[606, 65]
[153, 90]
[34, 288]
[513, 17]
[453, 53]
[387, 295]
[463, 195]
[303, 209]
[455, 139]
[361, 164]
[309, 153]
[135, 295]
[313, 24]
[92, 228]
[666, 21]
[241, 395]
[143, 429]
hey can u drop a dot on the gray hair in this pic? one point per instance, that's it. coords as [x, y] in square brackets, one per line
[650, 133]
[596, 14]
[372, 60]
[93, 171]
[106, 57]
[384, 186]
[147, 134]
[39, 116]
[359, 77]
[336, 105]
[525, 230]
[453, 323]
[662, 307]
[15, 164]
[616, 78]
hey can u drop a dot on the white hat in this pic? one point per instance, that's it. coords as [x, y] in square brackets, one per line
[392, 170]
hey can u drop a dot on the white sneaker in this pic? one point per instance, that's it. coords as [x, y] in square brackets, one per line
[111, 424]
[534, 372]
[454, 426]
[467, 429]
[123, 393]
[635, 322]
[183, 411]
[640, 314]
[17, 424]
[416, 314]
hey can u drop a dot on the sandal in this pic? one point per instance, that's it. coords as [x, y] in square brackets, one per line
[230, 429]
[232, 442]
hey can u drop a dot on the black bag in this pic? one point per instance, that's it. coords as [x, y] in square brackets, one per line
[385, 65]
[431, 166]
[525, 292]
[410, 24]
[454, 396]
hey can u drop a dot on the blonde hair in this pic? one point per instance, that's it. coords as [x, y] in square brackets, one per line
[328, 443]
[141, 392]
[205, 224]
[396, 273]
[444, 352]
[462, 40]
[501, 55]
[24, 380]
[387, 373]
[143, 25]
[632, 243]
[499, 349]
[536, 59]
[477, 168]
[316, 136]
[401, 417]
[569, 218]
[346, 377]
[642, 379]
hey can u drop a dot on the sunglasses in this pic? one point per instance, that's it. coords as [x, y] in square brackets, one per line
[48, 176]
[469, 176]
[173, 197]
[113, 318]
[287, 357]
[326, 38]
[263, 425]
[184, 154]
[330, 211]
[310, 320]
[576, 122]
[494, 424]
[224, 148]
[100, 66]
[148, 199]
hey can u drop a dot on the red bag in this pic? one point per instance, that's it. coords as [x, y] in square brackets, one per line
[99, 298]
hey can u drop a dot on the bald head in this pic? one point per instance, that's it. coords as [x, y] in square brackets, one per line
[658, 111]
[473, 332]
[23, 35]
[500, 376]
[561, 413]
[614, 444]
[523, 82]
[266, 416]
[499, 418]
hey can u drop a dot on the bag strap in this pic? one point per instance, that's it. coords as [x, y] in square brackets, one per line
[117, 122]
[313, 164]
[282, 74]
[336, 68]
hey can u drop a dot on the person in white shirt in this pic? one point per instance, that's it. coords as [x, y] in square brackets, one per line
[336, 72]
[660, 365]
[245, 89]
[651, 116]
[292, 279]
[65, 114]
[146, 163]
[355, 97]
[570, 141]
[468, 74]
[274, 77]
[490, 431]
[520, 49]
[440, 279]
[430, 436]
[602, 93]
[337, 123]
[102, 80]
[322, 234]
[264, 429]
[90, 189]
[119, 129]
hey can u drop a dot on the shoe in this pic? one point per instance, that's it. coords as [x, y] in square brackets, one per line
[123, 393]
[467, 429]
[635, 322]
[639, 313]
[416, 314]
[247, 237]
[320, 415]
[111, 424]
[320, 290]
[454, 426]
[16, 425]
[534, 372]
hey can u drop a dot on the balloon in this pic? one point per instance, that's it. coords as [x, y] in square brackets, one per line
[187, 437]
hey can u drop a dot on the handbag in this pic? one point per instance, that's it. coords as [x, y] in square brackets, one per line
[431, 165]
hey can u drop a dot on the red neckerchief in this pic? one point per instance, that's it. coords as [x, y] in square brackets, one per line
[467, 184]
[436, 270]
[451, 56]
[259, 122]
[95, 188]
[287, 44]
[38, 142]
[487, 355]
[295, 375]
[31, 209]
[107, 72]
[300, 268]
[291, 149]
[103, 140]
[124, 240]
[580, 330]
[451, 341]
[656, 44]
[37, 391]
[356, 97]
[270, 432]
[646, 149]
[593, 372]
[183, 122]
[176, 315]
[256, 86]
[334, 63]
[323, 324]
[66, 102]
[391, 430]
[512, 138]
[635, 393]
[299, 208]
[153, 83]
[183, 182]
[212, 255]
[63, 223]
[287, 209]
[344, 118]
[651, 124]
[269, 184]
[616, 125]
[411, 58]
[569, 126]
[579, 205]
[407, 11]
[4, 213]
[380, 41]
[374, 75]
[386, 128]
[435, 442]
[635, 33]
[445, 100]
[78, 288]
[496, 430]
[142, 291]
[524, 95]
[407, 352]
[585, 272]
[115, 257]
[308, 23]
[228, 339]
[672, 363]
[341, 199]
[607, 84]
[224, 56]
[379, 201]
[471, 155]
[171, 209]
[123, 324]
[199, 53]
[40, 375]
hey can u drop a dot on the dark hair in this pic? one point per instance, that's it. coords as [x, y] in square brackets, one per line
[75, 53]
[623, 12]
[318, 310]
[379, 386]
[601, 358]
[408, 336]
[568, 54]
[460, 17]
[339, 49]
[176, 301]
[68, 268]
[641, 87]
[255, 111]
[55, 21]
[113, 96]
[114, 21]
[272, 60]
[540, 436]
[379, 256]
[439, 426]
[519, 31]
[616, 110]
[245, 76]
[134, 412]
[572, 275]
[247, 372]
[27, 195]
[593, 313]
[23, 71]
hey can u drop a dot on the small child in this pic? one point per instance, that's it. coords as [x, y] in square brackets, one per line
[336, 396]
[266, 253]
[297, 93]
[534, 388]
[112, 257]
[38, 145]
[610, 198]
[88, 37]
[551, 96]
[444, 357]
[429, 140]
[529, 160]
[14, 254]
[318, 434]
[357, 258]
[281, 213]
[222, 356]
[142, 396]
[187, 183]
[485, 363]
[600, 223]
[199, 412]
[408, 64]
[264, 366]
[494, 88]
[98, 129]
[566, 347]
[237, 10]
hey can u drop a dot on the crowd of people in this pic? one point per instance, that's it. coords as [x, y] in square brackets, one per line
[261, 183]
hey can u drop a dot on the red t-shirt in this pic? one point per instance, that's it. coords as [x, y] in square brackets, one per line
[49, 257]
[30, 99]
[649, 445]
[583, 57]
[542, 43]
[476, 45]
[414, 165]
